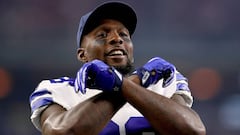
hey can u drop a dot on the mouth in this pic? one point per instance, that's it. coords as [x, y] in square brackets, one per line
[117, 57]
[116, 53]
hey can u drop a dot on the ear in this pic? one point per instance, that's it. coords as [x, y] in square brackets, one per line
[81, 55]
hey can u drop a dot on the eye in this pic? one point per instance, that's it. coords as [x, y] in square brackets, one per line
[123, 34]
[102, 35]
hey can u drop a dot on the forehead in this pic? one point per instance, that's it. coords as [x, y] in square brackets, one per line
[110, 24]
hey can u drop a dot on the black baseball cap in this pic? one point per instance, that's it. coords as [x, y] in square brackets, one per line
[110, 10]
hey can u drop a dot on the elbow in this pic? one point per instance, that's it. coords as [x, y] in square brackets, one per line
[200, 130]
[191, 131]
[196, 125]
[192, 127]
[197, 129]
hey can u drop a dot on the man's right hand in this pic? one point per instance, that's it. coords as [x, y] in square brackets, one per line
[154, 70]
[98, 75]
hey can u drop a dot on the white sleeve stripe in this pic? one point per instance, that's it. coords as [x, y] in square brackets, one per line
[182, 81]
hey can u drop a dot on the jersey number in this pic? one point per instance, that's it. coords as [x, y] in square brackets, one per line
[134, 126]
[63, 79]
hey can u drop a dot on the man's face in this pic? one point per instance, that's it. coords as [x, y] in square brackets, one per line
[109, 42]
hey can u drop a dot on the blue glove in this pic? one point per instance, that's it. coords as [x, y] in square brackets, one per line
[98, 75]
[154, 70]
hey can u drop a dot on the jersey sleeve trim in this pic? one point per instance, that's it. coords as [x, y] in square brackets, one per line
[40, 98]
[183, 89]
[186, 96]
[35, 117]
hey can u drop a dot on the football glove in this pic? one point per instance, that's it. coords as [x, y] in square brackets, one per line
[98, 75]
[154, 70]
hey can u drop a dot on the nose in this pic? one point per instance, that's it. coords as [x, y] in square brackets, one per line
[115, 39]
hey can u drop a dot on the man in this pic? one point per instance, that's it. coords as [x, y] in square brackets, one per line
[106, 97]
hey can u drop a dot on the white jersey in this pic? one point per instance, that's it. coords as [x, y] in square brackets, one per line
[126, 121]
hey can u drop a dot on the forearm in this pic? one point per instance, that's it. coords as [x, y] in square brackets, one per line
[86, 118]
[165, 115]
[94, 115]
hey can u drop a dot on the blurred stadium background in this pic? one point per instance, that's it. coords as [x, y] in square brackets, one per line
[202, 38]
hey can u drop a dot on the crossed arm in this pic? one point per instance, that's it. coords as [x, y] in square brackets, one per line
[167, 116]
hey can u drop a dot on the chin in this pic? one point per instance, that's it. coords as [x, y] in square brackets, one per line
[125, 69]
